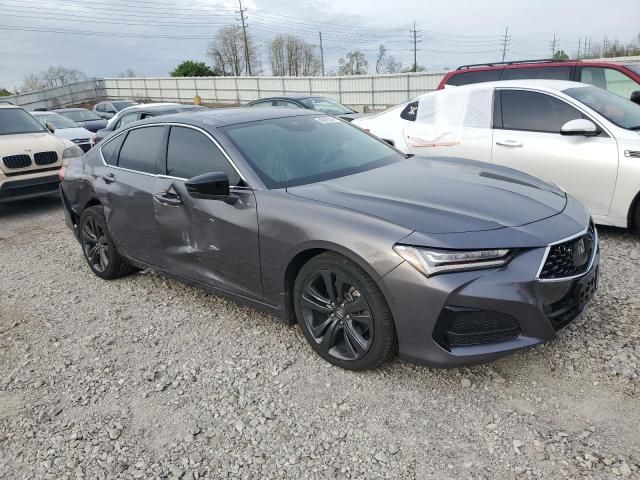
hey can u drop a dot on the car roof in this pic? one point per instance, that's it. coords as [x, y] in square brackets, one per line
[289, 97]
[222, 117]
[9, 105]
[67, 109]
[39, 114]
[536, 84]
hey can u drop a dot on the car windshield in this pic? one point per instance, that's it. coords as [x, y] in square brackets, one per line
[58, 121]
[325, 105]
[291, 151]
[617, 110]
[16, 120]
[81, 115]
[635, 68]
[124, 104]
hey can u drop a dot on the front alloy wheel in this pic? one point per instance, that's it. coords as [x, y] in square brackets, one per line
[342, 313]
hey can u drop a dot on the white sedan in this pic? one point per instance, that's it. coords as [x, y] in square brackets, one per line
[582, 138]
[66, 128]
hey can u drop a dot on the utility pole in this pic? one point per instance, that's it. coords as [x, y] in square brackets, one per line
[415, 39]
[244, 31]
[585, 47]
[505, 43]
[553, 46]
[321, 53]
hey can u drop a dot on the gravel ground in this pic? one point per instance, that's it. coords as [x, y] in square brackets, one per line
[145, 377]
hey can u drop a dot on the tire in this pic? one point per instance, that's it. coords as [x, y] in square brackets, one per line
[98, 247]
[637, 218]
[343, 314]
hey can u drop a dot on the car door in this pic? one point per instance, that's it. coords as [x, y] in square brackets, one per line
[527, 137]
[211, 241]
[128, 181]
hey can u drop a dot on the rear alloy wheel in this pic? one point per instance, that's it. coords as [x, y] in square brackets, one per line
[98, 247]
[343, 314]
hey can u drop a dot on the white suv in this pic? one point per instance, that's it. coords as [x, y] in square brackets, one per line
[30, 156]
[582, 138]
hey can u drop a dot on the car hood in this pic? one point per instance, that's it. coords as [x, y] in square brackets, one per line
[93, 125]
[73, 133]
[442, 195]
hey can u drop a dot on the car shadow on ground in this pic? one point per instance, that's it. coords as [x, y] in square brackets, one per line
[39, 205]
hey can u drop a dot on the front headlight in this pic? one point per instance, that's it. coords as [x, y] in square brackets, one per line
[432, 262]
[72, 152]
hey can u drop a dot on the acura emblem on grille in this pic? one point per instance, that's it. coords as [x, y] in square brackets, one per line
[580, 256]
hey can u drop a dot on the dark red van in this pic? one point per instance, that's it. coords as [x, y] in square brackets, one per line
[623, 79]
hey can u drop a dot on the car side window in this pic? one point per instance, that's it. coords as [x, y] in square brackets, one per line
[141, 149]
[468, 77]
[285, 103]
[191, 153]
[127, 119]
[110, 150]
[262, 104]
[534, 111]
[100, 107]
[410, 112]
[609, 79]
[547, 73]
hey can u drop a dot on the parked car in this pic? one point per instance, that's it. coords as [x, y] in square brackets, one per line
[320, 104]
[83, 117]
[64, 127]
[109, 108]
[582, 138]
[622, 79]
[140, 112]
[30, 156]
[304, 216]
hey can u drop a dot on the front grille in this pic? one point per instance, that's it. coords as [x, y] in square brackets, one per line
[17, 161]
[45, 158]
[570, 258]
[463, 327]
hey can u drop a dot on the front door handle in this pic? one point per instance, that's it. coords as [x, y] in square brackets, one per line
[109, 178]
[509, 143]
[169, 199]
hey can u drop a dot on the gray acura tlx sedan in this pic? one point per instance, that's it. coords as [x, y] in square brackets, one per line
[300, 214]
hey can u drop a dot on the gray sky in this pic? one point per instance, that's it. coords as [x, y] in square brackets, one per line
[153, 36]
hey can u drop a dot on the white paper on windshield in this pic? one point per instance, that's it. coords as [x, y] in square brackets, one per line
[447, 117]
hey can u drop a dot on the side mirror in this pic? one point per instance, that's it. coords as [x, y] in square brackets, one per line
[209, 186]
[50, 127]
[580, 127]
[635, 97]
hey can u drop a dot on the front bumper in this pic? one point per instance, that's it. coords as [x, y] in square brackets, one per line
[435, 317]
[17, 188]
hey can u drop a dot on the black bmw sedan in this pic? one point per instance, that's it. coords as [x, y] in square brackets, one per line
[302, 215]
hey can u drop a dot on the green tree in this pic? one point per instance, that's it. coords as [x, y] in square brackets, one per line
[190, 68]
[560, 55]
[4, 92]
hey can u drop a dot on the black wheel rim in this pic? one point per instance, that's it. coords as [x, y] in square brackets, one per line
[95, 245]
[337, 315]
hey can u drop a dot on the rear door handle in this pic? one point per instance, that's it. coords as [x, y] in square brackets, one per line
[509, 143]
[109, 178]
[168, 199]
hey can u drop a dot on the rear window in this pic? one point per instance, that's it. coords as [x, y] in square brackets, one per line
[473, 76]
[545, 73]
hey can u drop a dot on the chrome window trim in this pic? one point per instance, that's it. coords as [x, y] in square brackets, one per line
[158, 175]
[573, 277]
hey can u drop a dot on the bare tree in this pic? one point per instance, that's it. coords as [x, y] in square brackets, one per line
[354, 64]
[52, 77]
[128, 73]
[292, 56]
[227, 51]
[386, 63]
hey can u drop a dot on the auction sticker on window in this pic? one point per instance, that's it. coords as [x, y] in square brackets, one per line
[326, 120]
